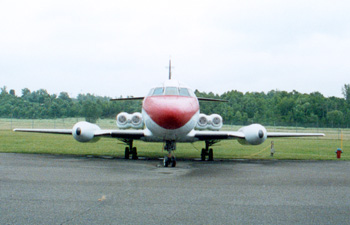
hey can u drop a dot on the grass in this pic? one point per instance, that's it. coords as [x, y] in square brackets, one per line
[286, 148]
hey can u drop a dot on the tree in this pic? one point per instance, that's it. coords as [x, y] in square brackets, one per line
[238, 118]
[282, 107]
[91, 111]
[346, 92]
[65, 97]
[335, 117]
[12, 92]
[286, 109]
[4, 90]
[25, 92]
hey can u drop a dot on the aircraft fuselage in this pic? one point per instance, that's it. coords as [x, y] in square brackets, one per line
[170, 112]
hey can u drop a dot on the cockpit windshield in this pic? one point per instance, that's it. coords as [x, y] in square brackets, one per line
[184, 92]
[170, 91]
[158, 91]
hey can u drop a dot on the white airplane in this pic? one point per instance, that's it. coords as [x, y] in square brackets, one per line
[170, 114]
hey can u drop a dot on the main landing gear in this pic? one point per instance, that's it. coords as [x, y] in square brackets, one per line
[208, 151]
[130, 150]
[170, 146]
[169, 159]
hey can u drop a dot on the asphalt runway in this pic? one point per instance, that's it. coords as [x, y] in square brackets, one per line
[55, 189]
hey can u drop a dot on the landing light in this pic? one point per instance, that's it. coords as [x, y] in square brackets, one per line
[261, 134]
[78, 131]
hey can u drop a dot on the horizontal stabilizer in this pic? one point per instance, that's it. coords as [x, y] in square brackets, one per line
[211, 100]
[126, 99]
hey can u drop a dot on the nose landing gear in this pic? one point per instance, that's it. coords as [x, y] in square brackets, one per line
[170, 159]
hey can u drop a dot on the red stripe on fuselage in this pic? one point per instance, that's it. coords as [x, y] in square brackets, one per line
[171, 112]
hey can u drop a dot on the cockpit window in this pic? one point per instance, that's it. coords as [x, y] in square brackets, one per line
[158, 91]
[184, 92]
[150, 92]
[171, 91]
[181, 91]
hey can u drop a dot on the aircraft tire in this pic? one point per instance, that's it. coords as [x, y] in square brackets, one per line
[134, 153]
[166, 161]
[211, 155]
[203, 154]
[173, 161]
[127, 152]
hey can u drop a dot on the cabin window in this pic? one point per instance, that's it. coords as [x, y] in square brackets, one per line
[158, 91]
[184, 92]
[171, 91]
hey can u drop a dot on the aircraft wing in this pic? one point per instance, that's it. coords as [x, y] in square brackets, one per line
[281, 134]
[48, 131]
[119, 134]
[218, 135]
[222, 135]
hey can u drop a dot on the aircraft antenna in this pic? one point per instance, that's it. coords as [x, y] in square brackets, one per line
[169, 69]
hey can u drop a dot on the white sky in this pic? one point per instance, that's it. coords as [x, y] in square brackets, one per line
[113, 48]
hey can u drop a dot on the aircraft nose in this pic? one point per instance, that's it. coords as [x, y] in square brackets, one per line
[170, 112]
[171, 117]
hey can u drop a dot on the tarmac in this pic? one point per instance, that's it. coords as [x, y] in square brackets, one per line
[56, 189]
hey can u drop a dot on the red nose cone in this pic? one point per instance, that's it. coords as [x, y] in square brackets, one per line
[171, 112]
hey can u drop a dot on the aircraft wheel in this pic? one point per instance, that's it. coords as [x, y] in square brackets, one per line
[166, 161]
[127, 152]
[211, 155]
[134, 153]
[173, 161]
[203, 154]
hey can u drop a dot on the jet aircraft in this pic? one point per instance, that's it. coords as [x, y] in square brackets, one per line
[170, 114]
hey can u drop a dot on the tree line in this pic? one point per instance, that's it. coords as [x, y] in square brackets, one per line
[272, 108]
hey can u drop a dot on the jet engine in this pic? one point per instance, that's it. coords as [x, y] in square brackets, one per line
[212, 122]
[255, 134]
[126, 120]
[85, 132]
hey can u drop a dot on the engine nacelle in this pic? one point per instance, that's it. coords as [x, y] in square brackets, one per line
[126, 120]
[255, 134]
[84, 132]
[212, 122]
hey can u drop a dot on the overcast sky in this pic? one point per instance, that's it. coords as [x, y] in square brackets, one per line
[114, 48]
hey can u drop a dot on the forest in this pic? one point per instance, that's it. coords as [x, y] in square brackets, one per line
[279, 108]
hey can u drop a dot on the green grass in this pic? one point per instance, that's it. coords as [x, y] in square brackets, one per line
[286, 148]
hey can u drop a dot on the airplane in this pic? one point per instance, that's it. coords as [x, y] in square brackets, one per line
[170, 114]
